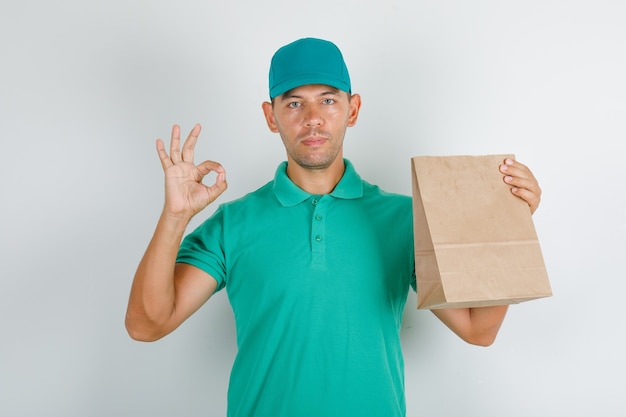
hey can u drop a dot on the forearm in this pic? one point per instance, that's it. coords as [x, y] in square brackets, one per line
[153, 293]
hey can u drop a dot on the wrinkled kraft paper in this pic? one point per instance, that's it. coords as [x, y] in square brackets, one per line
[475, 242]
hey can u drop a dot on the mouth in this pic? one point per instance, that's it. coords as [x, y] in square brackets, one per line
[313, 139]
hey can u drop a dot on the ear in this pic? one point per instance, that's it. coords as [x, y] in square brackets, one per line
[355, 106]
[268, 111]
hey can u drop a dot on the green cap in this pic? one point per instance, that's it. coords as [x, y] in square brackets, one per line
[308, 61]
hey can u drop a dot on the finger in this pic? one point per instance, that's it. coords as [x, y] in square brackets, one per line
[190, 143]
[531, 198]
[516, 169]
[518, 174]
[210, 166]
[166, 162]
[175, 145]
[522, 181]
[220, 185]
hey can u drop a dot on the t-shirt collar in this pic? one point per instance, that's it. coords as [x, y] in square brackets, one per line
[289, 194]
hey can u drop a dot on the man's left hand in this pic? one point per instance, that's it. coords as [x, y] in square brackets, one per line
[522, 181]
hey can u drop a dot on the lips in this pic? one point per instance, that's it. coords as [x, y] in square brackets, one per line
[313, 139]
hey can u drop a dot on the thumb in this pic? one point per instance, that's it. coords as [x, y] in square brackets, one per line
[220, 184]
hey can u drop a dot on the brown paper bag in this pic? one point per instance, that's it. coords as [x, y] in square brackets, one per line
[475, 242]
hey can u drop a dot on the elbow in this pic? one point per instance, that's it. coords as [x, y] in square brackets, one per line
[140, 336]
[482, 342]
[484, 332]
[485, 339]
[141, 332]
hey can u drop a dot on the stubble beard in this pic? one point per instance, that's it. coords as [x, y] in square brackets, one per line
[314, 159]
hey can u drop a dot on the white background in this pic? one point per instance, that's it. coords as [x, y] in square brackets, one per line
[87, 86]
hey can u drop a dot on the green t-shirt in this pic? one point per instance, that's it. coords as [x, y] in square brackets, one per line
[318, 285]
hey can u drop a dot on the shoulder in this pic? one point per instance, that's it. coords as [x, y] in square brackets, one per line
[372, 191]
[387, 207]
[254, 199]
[263, 194]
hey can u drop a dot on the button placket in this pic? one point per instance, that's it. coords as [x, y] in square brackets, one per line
[318, 228]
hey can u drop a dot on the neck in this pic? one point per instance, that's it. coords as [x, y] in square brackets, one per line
[316, 181]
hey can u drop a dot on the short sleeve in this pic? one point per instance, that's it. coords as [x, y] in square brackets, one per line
[204, 248]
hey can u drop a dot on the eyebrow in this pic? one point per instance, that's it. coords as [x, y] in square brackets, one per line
[289, 93]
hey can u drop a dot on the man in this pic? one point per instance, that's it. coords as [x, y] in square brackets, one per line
[317, 263]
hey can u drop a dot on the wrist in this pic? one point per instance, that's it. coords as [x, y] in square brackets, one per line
[175, 221]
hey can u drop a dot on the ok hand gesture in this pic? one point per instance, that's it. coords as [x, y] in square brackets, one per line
[185, 194]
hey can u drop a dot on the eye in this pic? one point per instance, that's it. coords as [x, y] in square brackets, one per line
[294, 104]
[329, 101]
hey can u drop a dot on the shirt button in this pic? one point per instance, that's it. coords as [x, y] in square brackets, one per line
[318, 238]
[318, 217]
[314, 201]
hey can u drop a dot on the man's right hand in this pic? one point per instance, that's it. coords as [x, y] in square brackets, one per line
[165, 293]
[185, 194]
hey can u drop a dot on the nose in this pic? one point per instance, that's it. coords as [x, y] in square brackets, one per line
[313, 116]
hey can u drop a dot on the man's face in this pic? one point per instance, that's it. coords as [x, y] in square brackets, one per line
[312, 122]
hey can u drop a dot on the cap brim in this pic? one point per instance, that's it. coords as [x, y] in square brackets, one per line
[308, 79]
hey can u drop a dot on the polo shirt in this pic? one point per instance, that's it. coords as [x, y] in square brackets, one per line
[318, 285]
